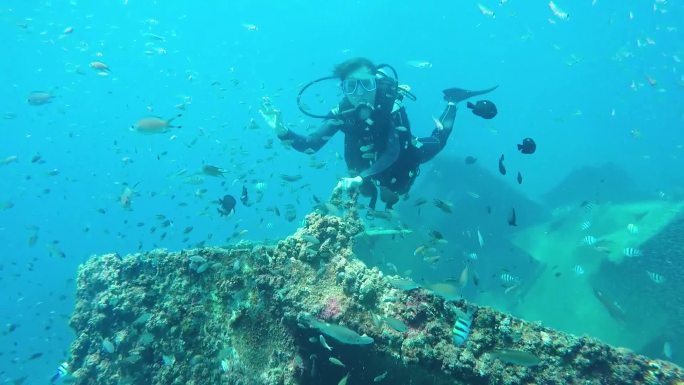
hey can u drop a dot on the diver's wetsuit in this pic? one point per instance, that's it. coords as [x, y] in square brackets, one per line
[364, 143]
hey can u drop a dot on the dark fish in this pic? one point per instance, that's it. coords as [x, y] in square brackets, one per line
[213, 170]
[483, 108]
[420, 202]
[511, 218]
[35, 356]
[244, 197]
[502, 168]
[519, 179]
[227, 205]
[290, 178]
[443, 205]
[476, 279]
[456, 95]
[613, 308]
[528, 146]
[470, 160]
[187, 229]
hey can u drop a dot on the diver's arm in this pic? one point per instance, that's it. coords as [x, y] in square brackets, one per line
[301, 143]
[432, 145]
[315, 140]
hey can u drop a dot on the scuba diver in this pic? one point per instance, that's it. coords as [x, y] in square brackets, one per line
[382, 155]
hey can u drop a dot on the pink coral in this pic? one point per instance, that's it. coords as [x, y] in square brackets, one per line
[331, 310]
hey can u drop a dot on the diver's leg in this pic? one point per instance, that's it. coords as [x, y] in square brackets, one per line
[433, 144]
[448, 116]
[374, 198]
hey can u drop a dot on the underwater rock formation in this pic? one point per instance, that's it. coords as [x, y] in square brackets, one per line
[248, 314]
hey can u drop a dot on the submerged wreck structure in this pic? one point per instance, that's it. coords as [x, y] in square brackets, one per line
[306, 311]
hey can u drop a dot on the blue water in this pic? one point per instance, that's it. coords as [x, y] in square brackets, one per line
[567, 84]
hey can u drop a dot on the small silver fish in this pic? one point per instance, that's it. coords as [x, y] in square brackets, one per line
[323, 342]
[337, 362]
[380, 377]
[667, 349]
[479, 238]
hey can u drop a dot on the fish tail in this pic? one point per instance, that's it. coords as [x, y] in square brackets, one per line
[520, 147]
[470, 105]
[173, 118]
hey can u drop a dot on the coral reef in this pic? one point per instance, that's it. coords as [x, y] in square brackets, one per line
[306, 311]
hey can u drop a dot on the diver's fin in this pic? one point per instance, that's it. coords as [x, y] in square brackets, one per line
[456, 95]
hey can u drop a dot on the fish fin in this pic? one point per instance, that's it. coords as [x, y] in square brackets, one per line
[519, 147]
[171, 120]
[470, 105]
[456, 95]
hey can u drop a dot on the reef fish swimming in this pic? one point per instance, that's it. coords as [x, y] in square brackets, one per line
[528, 146]
[226, 205]
[483, 108]
[38, 98]
[154, 125]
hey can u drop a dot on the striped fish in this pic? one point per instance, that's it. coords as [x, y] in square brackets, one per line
[632, 252]
[578, 269]
[508, 278]
[632, 228]
[589, 240]
[461, 329]
[655, 277]
[585, 225]
[588, 206]
[62, 371]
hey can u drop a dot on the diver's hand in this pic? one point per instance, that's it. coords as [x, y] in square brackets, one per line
[349, 183]
[272, 116]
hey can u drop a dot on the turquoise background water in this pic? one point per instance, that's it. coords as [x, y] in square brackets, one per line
[579, 87]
